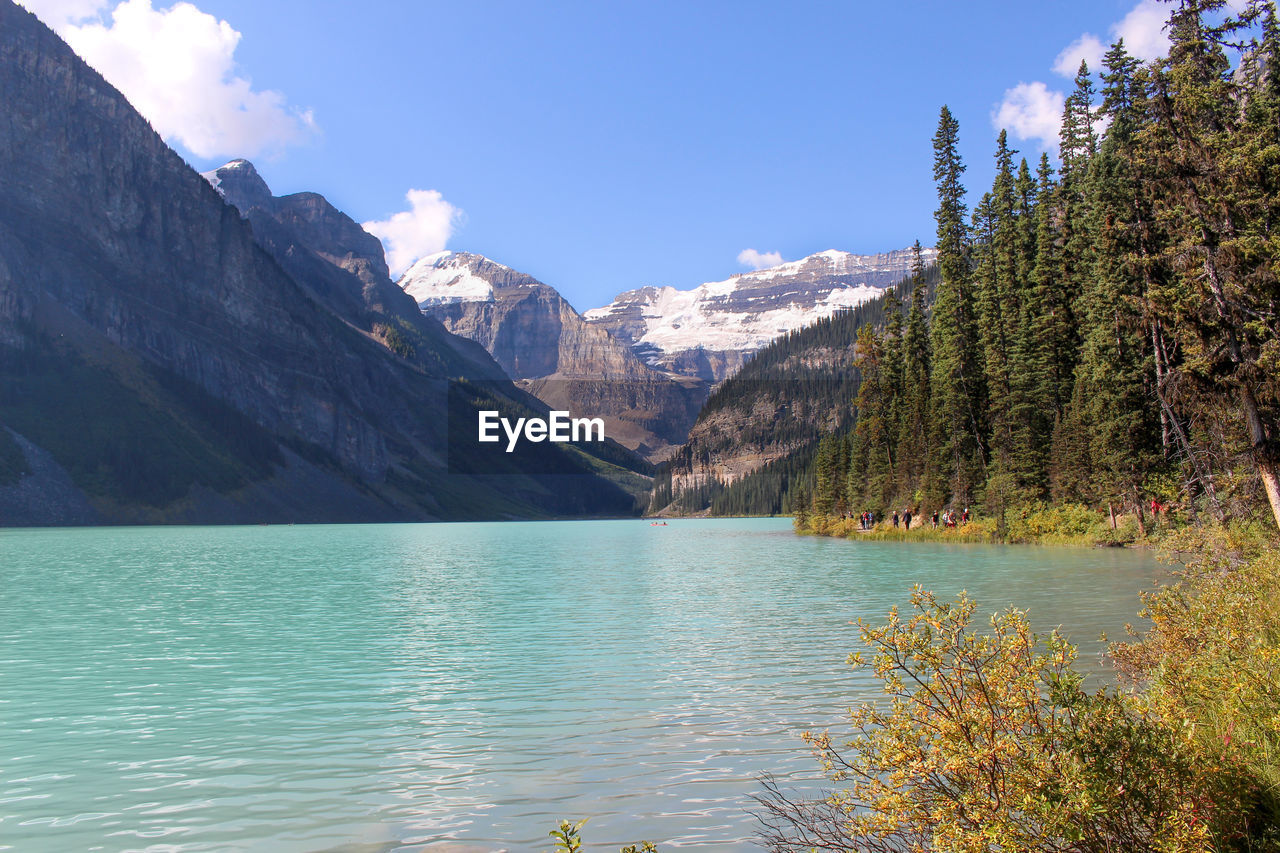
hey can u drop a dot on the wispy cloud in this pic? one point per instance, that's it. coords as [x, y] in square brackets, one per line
[1034, 111]
[423, 229]
[1031, 111]
[177, 67]
[1143, 30]
[752, 259]
[1088, 48]
[58, 13]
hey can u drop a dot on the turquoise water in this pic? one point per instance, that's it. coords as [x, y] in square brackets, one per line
[453, 687]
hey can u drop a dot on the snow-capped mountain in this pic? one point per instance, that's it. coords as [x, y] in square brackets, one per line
[449, 277]
[526, 325]
[545, 345]
[710, 330]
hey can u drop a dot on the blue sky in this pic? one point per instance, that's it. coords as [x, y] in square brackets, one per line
[601, 146]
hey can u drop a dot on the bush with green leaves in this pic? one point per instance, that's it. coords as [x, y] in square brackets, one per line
[988, 740]
[568, 836]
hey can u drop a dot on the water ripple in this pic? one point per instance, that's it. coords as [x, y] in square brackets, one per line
[451, 688]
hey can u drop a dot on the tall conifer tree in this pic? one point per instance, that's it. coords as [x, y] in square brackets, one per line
[913, 445]
[958, 457]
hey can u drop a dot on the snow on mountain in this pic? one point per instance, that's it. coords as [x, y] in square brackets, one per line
[687, 319]
[708, 331]
[447, 277]
[546, 347]
[677, 329]
[240, 184]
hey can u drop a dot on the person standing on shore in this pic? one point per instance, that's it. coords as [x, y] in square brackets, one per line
[906, 519]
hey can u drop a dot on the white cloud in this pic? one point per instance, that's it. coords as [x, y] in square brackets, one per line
[177, 67]
[1143, 30]
[1031, 111]
[1088, 48]
[423, 229]
[759, 260]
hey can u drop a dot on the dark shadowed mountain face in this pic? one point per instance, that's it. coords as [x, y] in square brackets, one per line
[161, 360]
[544, 344]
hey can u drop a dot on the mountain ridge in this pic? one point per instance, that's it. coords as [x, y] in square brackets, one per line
[158, 355]
[544, 344]
[712, 329]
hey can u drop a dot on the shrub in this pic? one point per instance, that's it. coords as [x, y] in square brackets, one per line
[988, 741]
[1211, 663]
[568, 836]
[1053, 523]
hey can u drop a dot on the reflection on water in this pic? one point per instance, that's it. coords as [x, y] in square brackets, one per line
[453, 687]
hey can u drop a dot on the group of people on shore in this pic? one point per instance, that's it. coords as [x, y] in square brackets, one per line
[902, 519]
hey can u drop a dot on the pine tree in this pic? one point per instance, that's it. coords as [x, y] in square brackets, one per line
[873, 432]
[1063, 278]
[999, 298]
[1052, 326]
[1030, 423]
[1114, 375]
[1216, 189]
[891, 379]
[1077, 140]
[958, 458]
[828, 476]
[913, 446]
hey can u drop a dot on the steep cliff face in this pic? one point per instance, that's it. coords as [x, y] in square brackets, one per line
[168, 362]
[343, 267]
[711, 330]
[525, 325]
[540, 340]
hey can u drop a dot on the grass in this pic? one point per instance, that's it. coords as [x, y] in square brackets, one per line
[1042, 524]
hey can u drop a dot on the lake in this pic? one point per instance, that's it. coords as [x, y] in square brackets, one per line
[455, 687]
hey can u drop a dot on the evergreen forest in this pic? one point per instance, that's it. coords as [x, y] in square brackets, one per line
[1105, 332]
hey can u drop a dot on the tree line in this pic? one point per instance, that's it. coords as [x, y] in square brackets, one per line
[1106, 332]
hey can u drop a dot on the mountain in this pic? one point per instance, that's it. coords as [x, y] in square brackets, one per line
[343, 267]
[163, 358]
[757, 431]
[543, 343]
[711, 330]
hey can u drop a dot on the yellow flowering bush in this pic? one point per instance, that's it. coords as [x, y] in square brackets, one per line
[988, 741]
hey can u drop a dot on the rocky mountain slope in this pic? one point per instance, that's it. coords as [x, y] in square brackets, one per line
[711, 330]
[343, 267]
[758, 426]
[543, 343]
[157, 363]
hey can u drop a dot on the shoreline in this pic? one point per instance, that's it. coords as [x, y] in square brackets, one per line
[1082, 532]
